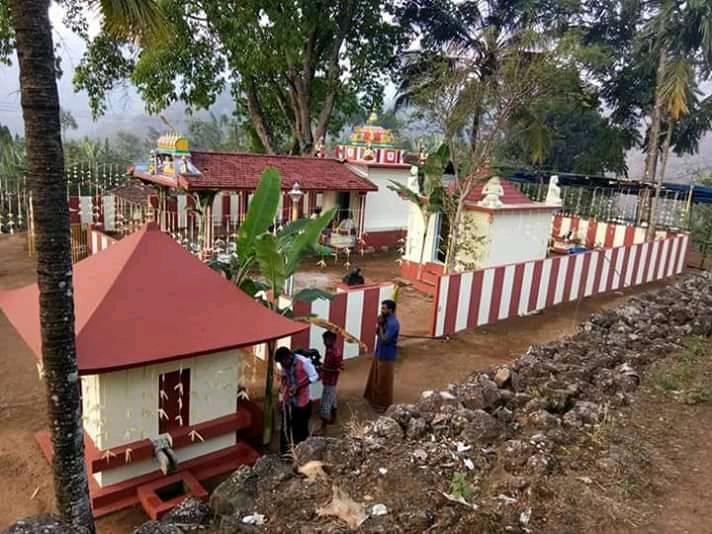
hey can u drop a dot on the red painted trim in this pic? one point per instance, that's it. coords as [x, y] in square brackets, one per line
[155, 507]
[452, 303]
[475, 298]
[629, 237]
[337, 315]
[599, 272]
[636, 264]
[584, 275]
[368, 315]
[610, 235]
[668, 258]
[658, 261]
[569, 278]
[536, 285]
[142, 450]
[553, 278]
[386, 238]
[516, 290]
[591, 233]
[625, 266]
[612, 269]
[497, 289]
[648, 259]
[556, 228]
[116, 497]
[301, 340]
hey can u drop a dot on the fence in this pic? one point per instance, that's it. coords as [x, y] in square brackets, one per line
[594, 233]
[471, 299]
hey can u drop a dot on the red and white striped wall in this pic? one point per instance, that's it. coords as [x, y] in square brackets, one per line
[98, 241]
[593, 233]
[471, 299]
[355, 309]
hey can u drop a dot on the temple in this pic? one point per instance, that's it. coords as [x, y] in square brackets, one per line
[159, 339]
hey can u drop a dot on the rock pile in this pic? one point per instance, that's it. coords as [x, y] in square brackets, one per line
[474, 456]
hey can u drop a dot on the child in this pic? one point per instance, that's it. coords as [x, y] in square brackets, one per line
[330, 370]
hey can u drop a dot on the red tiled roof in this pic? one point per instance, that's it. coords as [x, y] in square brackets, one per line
[227, 170]
[134, 191]
[147, 300]
[512, 195]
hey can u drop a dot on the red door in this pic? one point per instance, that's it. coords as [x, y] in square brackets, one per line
[173, 400]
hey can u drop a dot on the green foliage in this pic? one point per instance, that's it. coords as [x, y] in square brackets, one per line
[286, 62]
[564, 132]
[460, 487]
[223, 133]
[271, 262]
[260, 215]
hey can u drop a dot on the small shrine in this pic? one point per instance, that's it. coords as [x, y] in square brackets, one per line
[172, 153]
[500, 226]
[373, 154]
[159, 338]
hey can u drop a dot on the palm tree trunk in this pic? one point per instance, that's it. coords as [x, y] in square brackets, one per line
[651, 162]
[45, 173]
[655, 204]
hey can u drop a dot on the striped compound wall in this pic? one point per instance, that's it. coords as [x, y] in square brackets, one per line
[593, 233]
[356, 310]
[468, 300]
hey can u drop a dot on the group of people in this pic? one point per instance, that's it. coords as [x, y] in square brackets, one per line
[299, 372]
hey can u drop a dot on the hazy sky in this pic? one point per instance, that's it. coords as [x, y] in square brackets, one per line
[126, 110]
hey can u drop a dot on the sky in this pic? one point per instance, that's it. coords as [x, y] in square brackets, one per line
[126, 111]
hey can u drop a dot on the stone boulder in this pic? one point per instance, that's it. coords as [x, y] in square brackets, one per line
[41, 524]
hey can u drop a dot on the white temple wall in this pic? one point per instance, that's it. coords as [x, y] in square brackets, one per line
[385, 210]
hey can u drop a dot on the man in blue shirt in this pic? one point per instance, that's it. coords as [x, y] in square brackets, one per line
[379, 388]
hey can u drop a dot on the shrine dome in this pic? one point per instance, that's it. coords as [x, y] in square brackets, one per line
[372, 145]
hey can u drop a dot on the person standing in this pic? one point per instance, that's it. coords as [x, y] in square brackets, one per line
[297, 374]
[330, 371]
[379, 388]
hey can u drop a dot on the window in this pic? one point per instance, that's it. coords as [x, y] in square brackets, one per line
[173, 400]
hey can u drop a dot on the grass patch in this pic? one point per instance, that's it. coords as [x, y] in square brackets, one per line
[689, 376]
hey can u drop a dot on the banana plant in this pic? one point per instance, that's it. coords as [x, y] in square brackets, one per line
[273, 257]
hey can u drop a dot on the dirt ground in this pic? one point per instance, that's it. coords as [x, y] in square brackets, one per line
[25, 478]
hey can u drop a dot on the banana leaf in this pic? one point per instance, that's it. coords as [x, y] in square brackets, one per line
[311, 294]
[271, 262]
[260, 214]
[307, 240]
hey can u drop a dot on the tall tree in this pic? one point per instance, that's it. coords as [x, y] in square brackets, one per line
[295, 68]
[45, 174]
[25, 26]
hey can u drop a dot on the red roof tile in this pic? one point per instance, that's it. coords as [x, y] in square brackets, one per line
[227, 170]
[512, 195]
[146, 300]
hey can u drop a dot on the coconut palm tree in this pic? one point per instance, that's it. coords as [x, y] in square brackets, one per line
[45, 175]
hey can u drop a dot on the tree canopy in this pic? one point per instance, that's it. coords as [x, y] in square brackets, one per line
[296, 69]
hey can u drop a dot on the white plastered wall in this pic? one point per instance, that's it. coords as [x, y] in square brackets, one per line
[508, 236]
[385, 210]
[414, 237]
[121, 407]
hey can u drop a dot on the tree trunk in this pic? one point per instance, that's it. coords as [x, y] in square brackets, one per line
[257, 119]
[655, 204]
[474, 134]
[45, 173]
[269, 396]
[651, 162]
